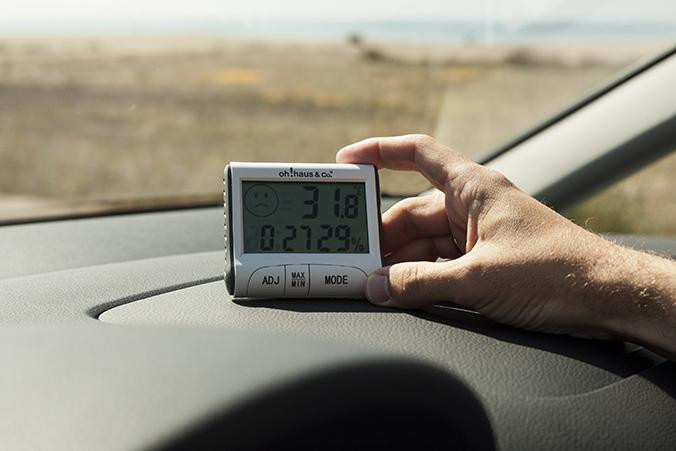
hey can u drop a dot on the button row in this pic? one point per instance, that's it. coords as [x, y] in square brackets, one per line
[307, 280]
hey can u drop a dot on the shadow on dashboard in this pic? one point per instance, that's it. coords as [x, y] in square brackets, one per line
[393, 404]
[313, 305]
[622, 359]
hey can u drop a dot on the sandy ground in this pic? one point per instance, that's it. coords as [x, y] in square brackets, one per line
[109, 119]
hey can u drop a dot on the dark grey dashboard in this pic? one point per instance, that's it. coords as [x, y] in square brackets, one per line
[118, 333]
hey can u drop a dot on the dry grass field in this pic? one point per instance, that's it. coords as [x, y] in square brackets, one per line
[155, 119]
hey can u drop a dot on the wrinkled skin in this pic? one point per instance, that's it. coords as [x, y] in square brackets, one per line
[510, 257]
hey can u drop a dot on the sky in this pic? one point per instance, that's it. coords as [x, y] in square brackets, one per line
[29, 15]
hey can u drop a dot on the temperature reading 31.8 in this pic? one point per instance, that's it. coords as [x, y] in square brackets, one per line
[297, 217]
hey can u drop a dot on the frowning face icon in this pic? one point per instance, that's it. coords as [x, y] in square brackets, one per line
[261, 200]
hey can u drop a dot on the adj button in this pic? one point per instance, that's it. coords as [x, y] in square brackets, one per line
[267, 282]
[337, 281]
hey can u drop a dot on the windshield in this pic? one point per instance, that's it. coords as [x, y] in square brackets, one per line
[141, 104]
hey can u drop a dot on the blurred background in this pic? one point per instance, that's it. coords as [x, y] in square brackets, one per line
[107, 105]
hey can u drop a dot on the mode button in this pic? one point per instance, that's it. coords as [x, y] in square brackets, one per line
[337, 281]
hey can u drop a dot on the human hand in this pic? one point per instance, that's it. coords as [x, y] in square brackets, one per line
[511, 258]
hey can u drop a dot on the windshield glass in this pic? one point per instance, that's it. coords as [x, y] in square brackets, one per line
[141, 104]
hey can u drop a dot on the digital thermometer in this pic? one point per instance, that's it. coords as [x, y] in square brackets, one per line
[300, 230]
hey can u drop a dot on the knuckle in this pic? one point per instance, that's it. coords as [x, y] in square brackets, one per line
[467, 170]
[474, 268]
[408, 203]
[423, 141]
[401, 209]
[481, 182]
[496, 179]
[465, 176]
[407, 282]
[474, 275]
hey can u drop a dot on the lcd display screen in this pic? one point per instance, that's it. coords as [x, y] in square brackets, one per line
[304, 217]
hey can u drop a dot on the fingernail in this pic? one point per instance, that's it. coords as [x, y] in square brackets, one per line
[376, 289]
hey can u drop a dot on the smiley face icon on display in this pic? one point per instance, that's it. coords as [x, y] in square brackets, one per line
[261, 200]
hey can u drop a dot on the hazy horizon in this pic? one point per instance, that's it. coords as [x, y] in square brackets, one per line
[46, 16]
[412, 30]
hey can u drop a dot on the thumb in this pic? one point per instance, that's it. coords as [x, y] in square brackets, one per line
[416, 284]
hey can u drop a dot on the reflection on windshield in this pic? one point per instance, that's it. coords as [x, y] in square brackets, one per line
[95, 121]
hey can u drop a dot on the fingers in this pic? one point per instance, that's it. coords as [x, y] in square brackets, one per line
[414, 218]
[409, 152]
[416, 284]
[424, 249]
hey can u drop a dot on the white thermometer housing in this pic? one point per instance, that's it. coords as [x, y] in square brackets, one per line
[300, 230]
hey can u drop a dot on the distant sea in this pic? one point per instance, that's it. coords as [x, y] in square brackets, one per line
[408, 31]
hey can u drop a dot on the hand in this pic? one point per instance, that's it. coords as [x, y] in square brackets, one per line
[511, 258]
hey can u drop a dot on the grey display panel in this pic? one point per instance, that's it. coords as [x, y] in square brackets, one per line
[304, 217]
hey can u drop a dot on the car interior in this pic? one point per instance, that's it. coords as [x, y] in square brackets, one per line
[117, 331]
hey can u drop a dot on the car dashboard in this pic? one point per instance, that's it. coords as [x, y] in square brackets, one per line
[118, 333]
